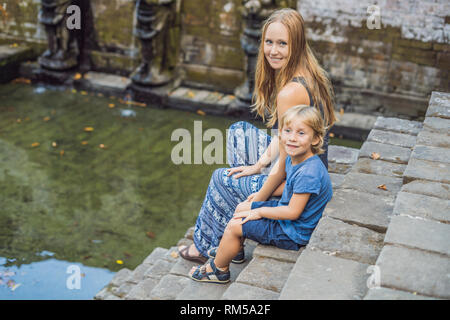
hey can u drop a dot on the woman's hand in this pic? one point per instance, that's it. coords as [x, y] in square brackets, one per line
[244, 171]
[248, 215]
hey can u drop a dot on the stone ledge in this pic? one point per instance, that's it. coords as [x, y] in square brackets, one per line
[389, 153]
[241, 291]
[276, 253]
[414, 271]
[369, 183]
[391, 294]
[434, 124]
[426, 170]
[347, 241]
[169, 287]
[393, 138]
[439, 105]
[418, 205]
[356, 207]
[433, 139]
[421, 234]
[317, 276]
[428, 188]
[398, 125]
[431, 153]
[377, 167]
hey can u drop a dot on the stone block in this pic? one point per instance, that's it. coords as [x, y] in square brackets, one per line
[120, 277]
[123, 290]
[346, 240]
[426, 170]
[369, 183]
[377, 167]
[157, 253]
[276, 253]
[169, 287]
[159, 269]
[394, 138]
[142, 290]
[344, 155]
[418, 205]
[241, 291]
[439, 125]
[266, 273]
[336, 179]
[418, 233]
[398, 125]
[428, 188]
[356, 207]
[317, 276]
[199, 291]
[439, 105]
[415, 271]
[138, 274]
[434, 139]
[387, 152]
[431, 153]
[391, 294]
[104, 82]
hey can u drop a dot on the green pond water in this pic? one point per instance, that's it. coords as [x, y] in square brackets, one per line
[101, 199]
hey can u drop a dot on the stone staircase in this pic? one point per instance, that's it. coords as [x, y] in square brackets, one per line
[384, 235]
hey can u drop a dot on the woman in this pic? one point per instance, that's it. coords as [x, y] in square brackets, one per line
[287, 74]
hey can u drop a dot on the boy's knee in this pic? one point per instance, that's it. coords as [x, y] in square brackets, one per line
[234, 227]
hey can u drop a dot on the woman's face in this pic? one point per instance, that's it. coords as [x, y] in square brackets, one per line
[276, 45]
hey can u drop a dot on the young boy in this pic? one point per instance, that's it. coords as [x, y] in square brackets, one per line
[289, 222]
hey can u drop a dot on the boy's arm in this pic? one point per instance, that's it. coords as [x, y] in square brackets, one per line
[275, 178]
[290, 212]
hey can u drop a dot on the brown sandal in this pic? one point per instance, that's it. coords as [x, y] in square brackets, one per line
[184, 253]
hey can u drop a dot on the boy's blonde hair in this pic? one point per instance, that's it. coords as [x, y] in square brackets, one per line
[312, 118]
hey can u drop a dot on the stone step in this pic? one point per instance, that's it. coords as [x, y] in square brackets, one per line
[386, 152]
[319, 276]
[379, 167]
[11, 57]
[418, 205]
[393, 138]
[373, 184]
[398, 125]
[341, 159]
[427, 170]
[391, 294]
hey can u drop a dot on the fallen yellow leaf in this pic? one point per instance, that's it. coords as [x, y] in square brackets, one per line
[375, 156]
[77, 76]
[61, 152]
[102, 146]
[84, 143]
[46, 119]
[54, 144]
[201, 112]
[174, 254]
[35, 144]
[382, 186]
[111, 105]
[331, 135]
[191, 94]
[341, 111]
[119, 261]
[84, 93]
[88, 129]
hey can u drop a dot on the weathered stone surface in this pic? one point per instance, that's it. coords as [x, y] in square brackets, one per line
[138, 274]
[383, 168]
[394, 138]
[439, 125]
[415, 271]
[102, 294]
[123, 290]
[241, 291]
[418, 233]
[336, 179]
[428, 188]
[367, 210]
[199, 291]
[431, 153]
[435, 139]
[169, 287]
[157, 253]
[439, 105]
[347, 241]
[320, 276]
[422, 206]
[142, 290]
[265, 273]
[103, 81]
[276, 253]
[427, 170]
[182, 267]
[159, 269]
[398, 125]
[387, 152]
[369, 183]
[391, 294]
[344, 155]
[120, 277]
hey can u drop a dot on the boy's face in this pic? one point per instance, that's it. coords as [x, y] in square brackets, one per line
[276, 45]
[297, 138]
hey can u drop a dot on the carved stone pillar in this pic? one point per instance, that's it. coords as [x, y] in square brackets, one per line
[62, 53]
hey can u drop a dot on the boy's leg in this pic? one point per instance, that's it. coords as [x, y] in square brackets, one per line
[230, 244]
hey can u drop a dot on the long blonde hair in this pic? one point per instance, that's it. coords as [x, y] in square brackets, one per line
[268, 83]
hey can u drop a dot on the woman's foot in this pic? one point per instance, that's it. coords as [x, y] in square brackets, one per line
[191, 253]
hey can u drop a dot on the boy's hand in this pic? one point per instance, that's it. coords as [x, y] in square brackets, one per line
[248, 215]
[250, 197]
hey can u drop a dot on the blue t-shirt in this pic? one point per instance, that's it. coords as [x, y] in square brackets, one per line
[309, 176]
